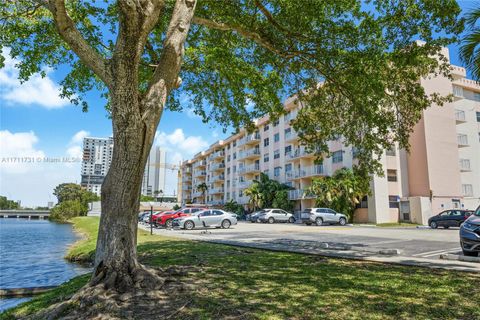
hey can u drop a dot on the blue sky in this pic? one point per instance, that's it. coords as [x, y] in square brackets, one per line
[34, 121]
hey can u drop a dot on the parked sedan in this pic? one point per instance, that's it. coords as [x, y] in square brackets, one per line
[470, 235]
[320, 216]
[166, 219]
[253, 217]
[275, 215]
[206, 218]
[449, 218]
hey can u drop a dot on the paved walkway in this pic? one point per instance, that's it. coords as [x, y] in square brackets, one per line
[407, 246]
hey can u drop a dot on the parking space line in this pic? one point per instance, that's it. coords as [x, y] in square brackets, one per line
[440, 253]
[392, 241]
[434, 253]
[428, 252]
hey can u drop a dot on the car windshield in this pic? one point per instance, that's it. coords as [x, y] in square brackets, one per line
[477, 212]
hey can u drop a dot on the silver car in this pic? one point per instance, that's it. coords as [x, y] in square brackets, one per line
[275, 215]
[206, 218]
[320, 216]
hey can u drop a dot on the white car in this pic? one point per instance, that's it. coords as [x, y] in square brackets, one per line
[320, 216]
[206, 218]
[275, 215]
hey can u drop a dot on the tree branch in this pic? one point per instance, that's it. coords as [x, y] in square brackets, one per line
[165, 77]
[70, 34]
[254, 36]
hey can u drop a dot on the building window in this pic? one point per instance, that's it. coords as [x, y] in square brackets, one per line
[288, 167]
[288, 149]
[234, 143]
[392, 175]
[266, 128]
[234, 155]
[276, 154]
[228, 147]
[391, 152]
[234, 169]
[276, 171]
[337, 156]
[228, 170]
[393, 201]
[266, 157]
[276, 137]
[476, 96]
[467, 190]
[266, 172]
[478, 116]
[276, 122]
[266, 142]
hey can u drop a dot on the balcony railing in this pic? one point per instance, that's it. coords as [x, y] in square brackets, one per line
[199, 164]
[292, 135]
[460, 116]
[244, 184]
[251, 138]
[186, 188]
[249, 153]
[220, 177]
[216, 155]
[199, 173]
[215, 202]
[249, 169]
[312, 171]
[298, 153]
[465, 165]
[243, 200]
[300, 194]
[217, 166]
[197, 194]
[462, 140]
[216, 190]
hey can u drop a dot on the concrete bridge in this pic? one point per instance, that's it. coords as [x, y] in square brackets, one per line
[27, 214]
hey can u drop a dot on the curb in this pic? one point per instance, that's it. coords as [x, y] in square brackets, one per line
[460, 258]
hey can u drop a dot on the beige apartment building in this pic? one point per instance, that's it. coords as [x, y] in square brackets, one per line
[441, 171]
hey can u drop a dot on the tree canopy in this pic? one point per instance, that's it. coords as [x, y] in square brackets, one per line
[243, 53]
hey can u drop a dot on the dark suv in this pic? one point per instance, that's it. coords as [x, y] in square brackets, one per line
[470, 235]
[449, 218]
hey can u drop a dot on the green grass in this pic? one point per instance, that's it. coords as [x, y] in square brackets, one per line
[397, 224]
[256, 284]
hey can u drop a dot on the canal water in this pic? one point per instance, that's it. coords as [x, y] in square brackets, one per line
[31, 255]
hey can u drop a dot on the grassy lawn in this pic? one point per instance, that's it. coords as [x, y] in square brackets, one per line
[254, 284]
[397, 224]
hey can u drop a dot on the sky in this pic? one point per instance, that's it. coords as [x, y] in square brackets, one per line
[41, 134]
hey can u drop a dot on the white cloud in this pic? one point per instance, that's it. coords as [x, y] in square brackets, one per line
[178, 142]
[78, 137]
[29, 174]
[39, 91]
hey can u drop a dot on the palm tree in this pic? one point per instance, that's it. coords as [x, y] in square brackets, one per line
[202, 187]
[255, 195]
[470, 46]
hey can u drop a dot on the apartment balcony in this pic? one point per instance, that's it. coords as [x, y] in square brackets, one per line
[460, 116]
[217, 167]
[217, 155]
[299, 153]
[457, 92]
[462, 140]
[197, 194]
[465, 165]
[218, 178]
[253, 168]
[307, 172]
[249, 139]
[251, 153]
[199, 174]
[290, 116]
[299, 194]
[187, 177]
[187, 170]
[186, 187]
[244, 184]
[458, 72]
[200, 164]
[291, 136]
[216, 191]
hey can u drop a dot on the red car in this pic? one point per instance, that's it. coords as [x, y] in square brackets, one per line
[166, 218]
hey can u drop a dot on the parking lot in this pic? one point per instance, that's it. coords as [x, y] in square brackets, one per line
[407, 245]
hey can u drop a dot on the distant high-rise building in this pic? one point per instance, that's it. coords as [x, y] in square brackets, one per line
[97, 156]
[155, 172]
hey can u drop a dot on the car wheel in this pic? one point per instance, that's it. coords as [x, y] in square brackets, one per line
[433, 225]
[169, 224]
[189, 225]
[319, 221]
[342, 221]
[271, 220]
[291, 220]
[226, 224]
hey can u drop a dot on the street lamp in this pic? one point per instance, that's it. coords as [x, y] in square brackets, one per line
[151, 217]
